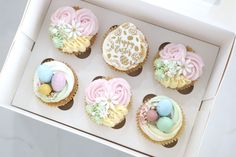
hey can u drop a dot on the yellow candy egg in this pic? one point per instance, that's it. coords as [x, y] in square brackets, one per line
[45, 89]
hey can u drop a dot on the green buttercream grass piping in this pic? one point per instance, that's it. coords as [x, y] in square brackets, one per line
[159, 69]
[96, 111]
[58, 41]
[58, 34]
[166, 69]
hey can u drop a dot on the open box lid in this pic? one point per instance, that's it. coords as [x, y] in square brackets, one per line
[216, 12]
[27, 34]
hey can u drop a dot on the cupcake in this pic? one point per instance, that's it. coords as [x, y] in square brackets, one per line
[55, 83]
[177, 66]
[73, 30]
[125, 48]
[161, 120]
[107, 101]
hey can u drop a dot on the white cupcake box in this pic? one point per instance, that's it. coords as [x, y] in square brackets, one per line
[32, 45]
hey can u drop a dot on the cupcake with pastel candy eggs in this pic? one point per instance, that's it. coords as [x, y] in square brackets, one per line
[177, 66]
[55, 83]
[161, 120]
[107, 101]
[73, 30]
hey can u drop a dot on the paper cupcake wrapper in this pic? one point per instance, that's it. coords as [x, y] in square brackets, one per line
[186, 86]
[165, 142]
[140, 65]
[67, 99]
[128, 106]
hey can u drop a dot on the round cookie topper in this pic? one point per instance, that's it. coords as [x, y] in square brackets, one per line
[125, 48]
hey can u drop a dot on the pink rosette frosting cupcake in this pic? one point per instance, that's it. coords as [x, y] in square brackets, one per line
[107, 101]
[73, 30]
[177, 67]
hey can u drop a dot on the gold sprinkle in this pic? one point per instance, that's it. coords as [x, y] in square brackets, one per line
[124, 60]
[130, 38]
[133, 31]
[136, 48]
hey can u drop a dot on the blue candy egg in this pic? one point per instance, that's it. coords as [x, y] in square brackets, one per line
[164, 107]
[44, 73]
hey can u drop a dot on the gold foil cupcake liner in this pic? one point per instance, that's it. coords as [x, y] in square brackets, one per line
[140, 65]
[165, 142]
[71, 95]
[186, 86]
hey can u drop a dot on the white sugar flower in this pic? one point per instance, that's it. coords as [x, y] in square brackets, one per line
[172, 68]
[73, 30]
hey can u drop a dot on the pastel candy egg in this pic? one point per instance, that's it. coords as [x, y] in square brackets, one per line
[164, 107]
[164, 124]
[45, 89]
[44, 73]
[58, 81]
[152, 116]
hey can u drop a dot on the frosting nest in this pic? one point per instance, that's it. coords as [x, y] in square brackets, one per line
[177, 67]
[167, 122]
[107, 100]
[53, 81]
[71, 30]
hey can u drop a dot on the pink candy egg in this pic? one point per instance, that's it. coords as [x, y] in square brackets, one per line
[58, 81]
[152, 116]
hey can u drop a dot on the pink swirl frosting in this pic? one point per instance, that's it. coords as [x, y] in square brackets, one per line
[116, 89]
[88, 21]
[194, 64]
[120, 91]
[97, 88]
[173, 51]
[63, 15]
